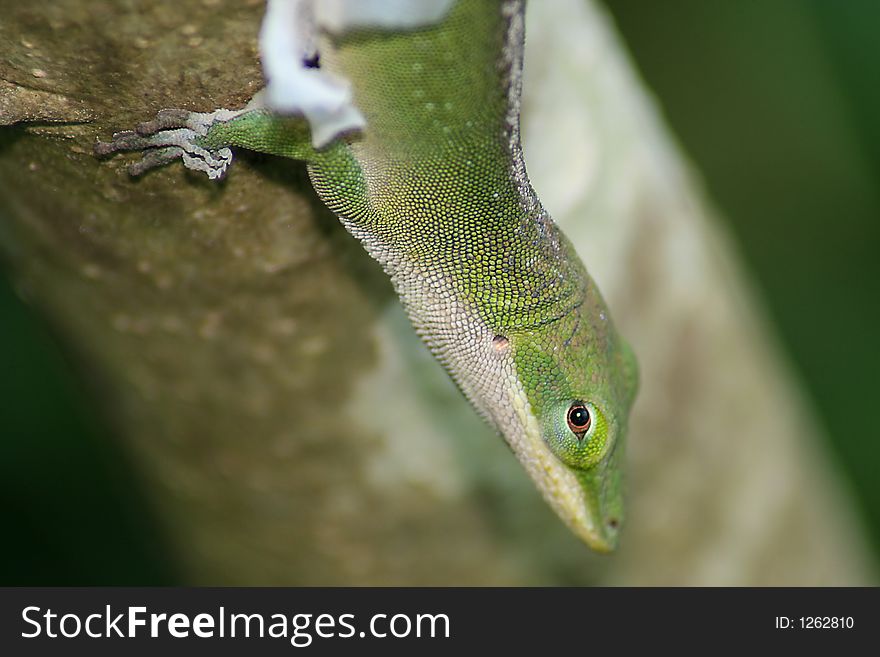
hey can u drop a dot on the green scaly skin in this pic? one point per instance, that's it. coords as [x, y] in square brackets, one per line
[436, 190]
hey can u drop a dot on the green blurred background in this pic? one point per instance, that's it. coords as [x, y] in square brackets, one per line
[775, 102]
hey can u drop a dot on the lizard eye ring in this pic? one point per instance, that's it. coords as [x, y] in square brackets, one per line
[579, 419]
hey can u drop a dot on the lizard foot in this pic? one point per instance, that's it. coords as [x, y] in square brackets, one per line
[174, 134]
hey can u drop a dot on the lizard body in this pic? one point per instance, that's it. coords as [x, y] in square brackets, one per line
[435, 188]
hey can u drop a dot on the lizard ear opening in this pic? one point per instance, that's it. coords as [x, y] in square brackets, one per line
[501, 344]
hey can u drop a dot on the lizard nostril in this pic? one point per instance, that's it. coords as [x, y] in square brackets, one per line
[500, 343]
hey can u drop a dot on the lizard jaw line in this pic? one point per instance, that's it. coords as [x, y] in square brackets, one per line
[557, 483]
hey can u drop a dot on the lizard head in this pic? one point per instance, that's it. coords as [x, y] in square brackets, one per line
[575, 382]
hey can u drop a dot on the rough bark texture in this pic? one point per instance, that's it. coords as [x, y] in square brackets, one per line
[287, 423]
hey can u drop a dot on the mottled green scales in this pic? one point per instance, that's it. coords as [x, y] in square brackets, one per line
[436, 190]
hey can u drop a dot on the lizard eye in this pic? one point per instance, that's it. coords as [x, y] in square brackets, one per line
[582, 439]
[579, 419]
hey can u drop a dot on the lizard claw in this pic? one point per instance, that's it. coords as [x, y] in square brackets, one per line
[173, 134]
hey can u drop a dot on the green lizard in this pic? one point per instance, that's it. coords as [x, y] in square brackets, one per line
[431, 180]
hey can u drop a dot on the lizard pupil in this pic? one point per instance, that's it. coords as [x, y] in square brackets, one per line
[579, 419]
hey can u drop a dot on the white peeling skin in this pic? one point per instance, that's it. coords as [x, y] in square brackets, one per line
[287, 38]
[292, 88]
